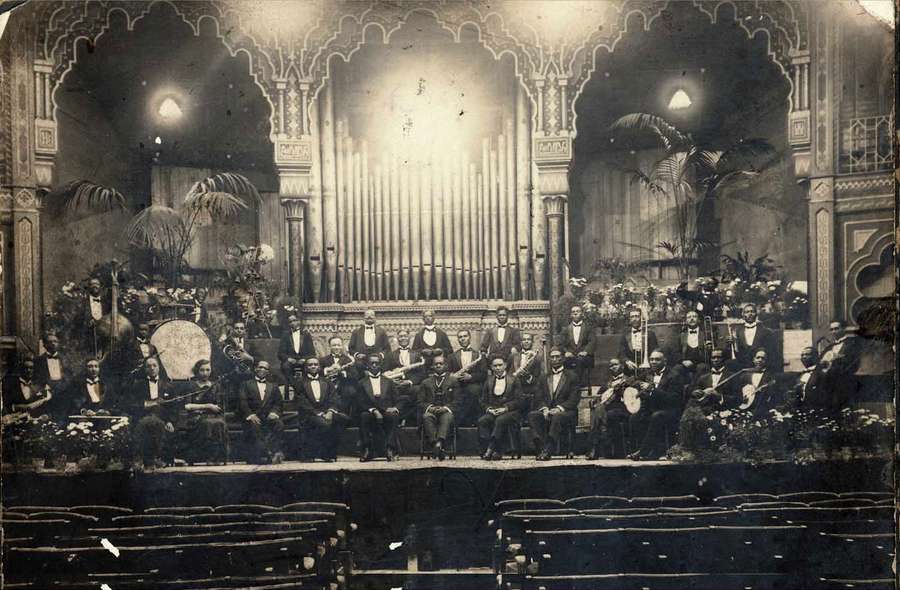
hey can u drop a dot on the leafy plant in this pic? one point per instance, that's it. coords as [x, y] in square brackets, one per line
[741, 266]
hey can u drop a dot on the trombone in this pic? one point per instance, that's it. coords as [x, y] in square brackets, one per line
[644, 361]
[710, 332]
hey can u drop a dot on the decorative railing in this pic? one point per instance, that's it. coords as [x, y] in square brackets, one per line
[866, 144]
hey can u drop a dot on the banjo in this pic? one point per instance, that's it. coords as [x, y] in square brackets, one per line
[749, 393]
[630, 397]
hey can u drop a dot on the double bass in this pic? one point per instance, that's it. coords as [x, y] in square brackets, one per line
[111, 330]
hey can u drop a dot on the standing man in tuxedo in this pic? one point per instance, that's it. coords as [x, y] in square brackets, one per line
[502, 339]
[694, 344]
[321, 419]
[438, 405]
[554, 406]
[502, 402]
[750, 337]
[631, 346]
[431, 340]
[295, 347]
[94, 309]
[140, 348]
[471, 380]
[152, 415]
[577, 343]
[369, 338]
[379, 411]
[662, 400]
[261, 406]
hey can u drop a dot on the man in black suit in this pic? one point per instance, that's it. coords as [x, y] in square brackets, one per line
[430, 340]
[152, 415]
[51, 368]
[369, 338]
[140, 349]
[610, 418]
[295, 347]
[90, 394]
[554, 406]
[261, 407]
[321, 419]
[438, 405]
[379, 412]
[632, 342]
[95, 307]
[529, 377]
[750, 337]
[22, 394]
[577, 343]
[501, 399]
[404, 356]
[503, 338]
[694, 344]
[714, 390]
[342, 380]
[662, 400]
[470, 378]
[760, 384]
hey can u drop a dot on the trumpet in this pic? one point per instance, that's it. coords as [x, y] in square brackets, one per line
[733, 337]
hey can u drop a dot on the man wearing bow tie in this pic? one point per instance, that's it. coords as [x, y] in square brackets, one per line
[694, 344]
[751, 336]
[806, 385]
[369, 338]
[502, 401]
[430, 340]
[148, 408]
[502, 339]
[22, 393]
[296, 346]
[470, 380]
[631, 346]
[90, 394]
[52, 369]
[760, 380]
[714, 390]
[321, 419]
[379, 414]
[609, 420]
[95, 307]
[140, 348]
[554, 406]
[438, 406]
[577, 342]
[261, 406]
[662, 400]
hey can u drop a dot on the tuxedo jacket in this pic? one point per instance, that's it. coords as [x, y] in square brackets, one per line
[135, 355]
[347, 376]
[529, 378]
[249, 401]
[77, 398]
[668, 395]
[626, 352]
[567, 393]
[511, 398]
[12, 393]
[491, 344]
[358, 344]
[695, 355]
[729, 391]
[390, 394]
[87, 320]
[307, 405]
[286, 347]
[618, 388]
[442, 342]
[139, 392]
[764, 338]
[42, 369]
[566, 339]
[392, 361]
[444, 394]
[478, 372]
[763, 399]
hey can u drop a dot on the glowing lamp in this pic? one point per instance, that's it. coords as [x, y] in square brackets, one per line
[680, 101]
[169, 109]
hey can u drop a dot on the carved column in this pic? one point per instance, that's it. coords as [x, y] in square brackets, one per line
[552, 156]
[554, 208]
[821, 239]
[294, 214]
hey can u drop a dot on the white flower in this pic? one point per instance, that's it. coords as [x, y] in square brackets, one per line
[723, 422]
[712, 438]
[725, 413]
[265, 253]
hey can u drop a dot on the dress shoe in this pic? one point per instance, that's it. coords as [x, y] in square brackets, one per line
[488, 454]
[496, 456]
[365, 456]
[277, 458]
[636, 456]
[593, 455]
[390, 454]
[544, 456]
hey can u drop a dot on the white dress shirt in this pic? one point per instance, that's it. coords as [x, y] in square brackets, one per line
[500, 386]
[27, 388]
[576, 332]
[465, 356]
[295, 341]
[369, 335]
[637, 340]
[54, 368]
[404, 356]
[693, 337]
[501, 333]
[153, 387]
[716, 377]
[376, 385]
[96, 308]
[261, 388]
[93, 390]
[429, 336]
[316, 389]
[555, 378]
[755, 378]
[749, 334]
[144, 346]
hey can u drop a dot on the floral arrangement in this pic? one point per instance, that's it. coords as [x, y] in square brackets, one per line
[88, 440]
[250, 295]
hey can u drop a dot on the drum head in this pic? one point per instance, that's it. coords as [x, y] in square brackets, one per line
[181, 344]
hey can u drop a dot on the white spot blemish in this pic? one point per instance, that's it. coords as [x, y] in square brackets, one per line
[395, 545]
[105, 587]
[109, 546]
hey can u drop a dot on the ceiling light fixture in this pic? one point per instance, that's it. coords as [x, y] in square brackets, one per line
[680, 101]
[169, 109]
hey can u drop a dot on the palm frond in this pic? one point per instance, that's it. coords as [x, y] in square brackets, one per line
[156, 227]
[222, 195]
[746, 154]
[81, 197]
[639, 176]
[736, 179]
[668, 136]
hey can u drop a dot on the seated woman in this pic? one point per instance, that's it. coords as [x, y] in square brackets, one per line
[205, 417]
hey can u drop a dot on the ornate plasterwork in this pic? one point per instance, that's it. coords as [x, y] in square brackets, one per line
[860, 204]
[881, 184]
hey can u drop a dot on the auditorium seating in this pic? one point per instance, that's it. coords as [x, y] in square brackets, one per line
[299, 545]
[811, 540]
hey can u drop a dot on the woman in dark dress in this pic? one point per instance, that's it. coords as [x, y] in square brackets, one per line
[204, 410]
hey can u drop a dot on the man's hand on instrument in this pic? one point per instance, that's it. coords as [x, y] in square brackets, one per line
[169, 427]
[272, 416]
[392, 411]
[688, 364]
[569, 355]
[555, 411]
[465, 377]
[254, 419]
[582, 354]
[377, 414]
[87, 412]
[214, 408]
[150, 403]
[631, 365]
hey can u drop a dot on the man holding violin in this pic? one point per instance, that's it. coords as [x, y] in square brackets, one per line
[153, 417]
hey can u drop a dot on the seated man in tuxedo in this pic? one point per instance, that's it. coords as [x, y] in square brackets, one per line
[321, 419]
[25, 403]
[609, 419]
[405, 356]
[469, 368]
[758, 388]
[501, 399]
[554, 407]
[712, 391]
[369, 338]
[379, 413]
[631, 346]
[577, 342]
[438, 405]
[694, 344]
[806, 384]
[150, 411]
[91, 394]
[261, 406]
[662, 401]
[750, 337]
[295, 347]
[431, 340]
[339, 368]
[502, 339]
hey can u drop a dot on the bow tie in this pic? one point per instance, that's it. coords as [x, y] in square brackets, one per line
[374, 375]
[500, 378]
[559, 372]
[401, 349]
[429, 329]
[368, 328]
[23, 382]
[717, 371]
[141, 341]
[750, 326]
[260, 380]
[466, 349]
[55, 355]
[311, 378]
[635, 330]
[578, 325]
[149, 380]
[91, 381]
[659, 373]
[693, 331]
[95, 298]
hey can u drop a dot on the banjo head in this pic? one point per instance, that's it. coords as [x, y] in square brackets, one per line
[748, 395]
[181, 344]
[632, 400]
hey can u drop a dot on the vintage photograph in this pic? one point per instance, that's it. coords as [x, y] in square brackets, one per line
[448, 294]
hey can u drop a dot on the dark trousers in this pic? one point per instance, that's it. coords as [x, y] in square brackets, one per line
[207, 438]
[609, 430]
[493, 430]
[385, 429]
[650, 428]
[437, 425]
[320, 437]
[264, 439]
[152, 440]
[546, 431]
[468, 405]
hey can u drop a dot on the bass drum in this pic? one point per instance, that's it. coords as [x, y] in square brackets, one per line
[181, 344]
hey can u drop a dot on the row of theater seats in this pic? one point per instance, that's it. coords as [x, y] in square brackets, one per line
[299, 545]
[806, 540]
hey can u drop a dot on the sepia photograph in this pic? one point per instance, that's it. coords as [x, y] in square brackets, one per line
[448, 294]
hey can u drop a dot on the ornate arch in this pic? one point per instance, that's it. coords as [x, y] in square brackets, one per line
[876, 247]
[784, 22]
